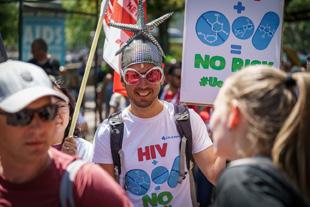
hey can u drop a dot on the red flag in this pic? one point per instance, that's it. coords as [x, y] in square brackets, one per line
[119, 11]
[118, 86]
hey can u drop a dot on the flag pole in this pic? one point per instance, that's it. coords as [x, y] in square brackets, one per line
[86, 73]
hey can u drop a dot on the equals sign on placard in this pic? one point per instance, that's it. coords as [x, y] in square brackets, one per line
[235, 49]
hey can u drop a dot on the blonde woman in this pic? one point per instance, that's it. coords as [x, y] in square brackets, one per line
[261, 120]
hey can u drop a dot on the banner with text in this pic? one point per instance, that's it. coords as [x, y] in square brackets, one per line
[223, 36]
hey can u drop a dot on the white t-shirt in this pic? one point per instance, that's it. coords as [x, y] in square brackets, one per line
[84, 149]
[151, 157]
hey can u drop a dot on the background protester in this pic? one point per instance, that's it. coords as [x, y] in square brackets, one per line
[118, 102]
[39, 50]
[70, 145]
[171, 91]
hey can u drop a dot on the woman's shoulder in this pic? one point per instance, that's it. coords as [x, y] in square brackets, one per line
[255, 185]
[252, 173]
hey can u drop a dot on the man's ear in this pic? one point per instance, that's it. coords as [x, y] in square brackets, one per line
[235, 116]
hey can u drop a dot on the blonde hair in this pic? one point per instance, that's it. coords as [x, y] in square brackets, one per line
[276, 106]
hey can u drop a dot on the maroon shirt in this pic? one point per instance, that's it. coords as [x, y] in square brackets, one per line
[92, 187]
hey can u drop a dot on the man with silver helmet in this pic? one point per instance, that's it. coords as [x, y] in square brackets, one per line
[150, 155]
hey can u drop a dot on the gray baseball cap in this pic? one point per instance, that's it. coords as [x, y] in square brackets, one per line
[141, 51]
[22, 83]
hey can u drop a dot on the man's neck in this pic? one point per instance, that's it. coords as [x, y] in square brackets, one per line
[147, 112]
[20, 172]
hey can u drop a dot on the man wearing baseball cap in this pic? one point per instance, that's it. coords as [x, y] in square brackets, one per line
[31, 171]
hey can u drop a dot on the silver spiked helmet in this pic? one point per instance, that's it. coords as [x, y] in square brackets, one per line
[142, 47]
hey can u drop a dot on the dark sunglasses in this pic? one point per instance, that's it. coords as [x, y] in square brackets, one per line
[24, 117]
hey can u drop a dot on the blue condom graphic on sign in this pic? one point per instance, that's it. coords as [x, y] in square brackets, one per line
[137, 182]
[243, 28]
[266, 30]
[212, 28]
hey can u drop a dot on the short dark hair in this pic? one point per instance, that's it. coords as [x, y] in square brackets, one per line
[173, 67]
[41, 43]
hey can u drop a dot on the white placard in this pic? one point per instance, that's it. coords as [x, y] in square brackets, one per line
[223, 36]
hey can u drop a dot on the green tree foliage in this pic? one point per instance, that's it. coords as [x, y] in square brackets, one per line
[297, 25]
[80, 28]
[155, 9]
[297, 5]
[9, 23]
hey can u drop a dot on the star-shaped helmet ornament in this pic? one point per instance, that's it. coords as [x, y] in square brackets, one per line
[141, 29]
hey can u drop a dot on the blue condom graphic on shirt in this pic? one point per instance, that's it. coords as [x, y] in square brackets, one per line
[160, 175]
[137, 182]
[174, 174]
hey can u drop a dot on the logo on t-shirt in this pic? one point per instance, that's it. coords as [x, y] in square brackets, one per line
[170, 137]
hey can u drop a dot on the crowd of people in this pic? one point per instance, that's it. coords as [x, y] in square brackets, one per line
[259, 124]
[250, 149]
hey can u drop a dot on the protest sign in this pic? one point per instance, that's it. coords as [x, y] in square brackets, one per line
[221, 37]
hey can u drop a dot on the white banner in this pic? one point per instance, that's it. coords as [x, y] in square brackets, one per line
[223, 36]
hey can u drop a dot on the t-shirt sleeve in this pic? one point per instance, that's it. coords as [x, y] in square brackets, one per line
[94, 187]
[200, 136]
[101, 147]
[84, 149]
